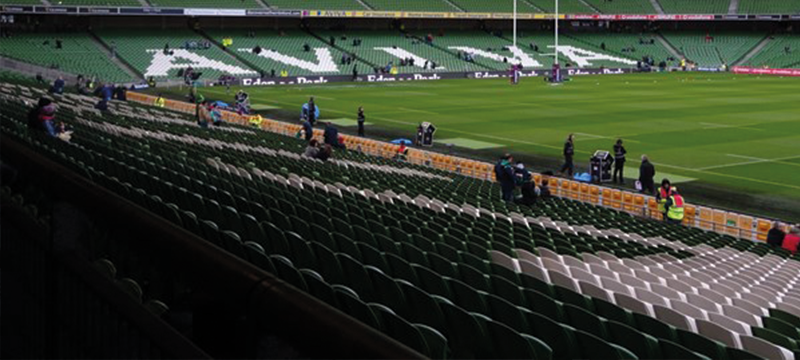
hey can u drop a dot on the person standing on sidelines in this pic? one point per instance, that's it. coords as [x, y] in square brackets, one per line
[361, 118]
[569, 152]
[619, 161]
[646, 173]
[674, 207]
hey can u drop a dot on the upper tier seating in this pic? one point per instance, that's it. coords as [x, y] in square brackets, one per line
[144, 51]
[378, 48]
[22, 2]
[130, 3]
[316, 4]
[726, 48]
[615, 43]
[78, 55]
[695, 6]
[769, 7]
[227, 4]
[494, 6]
[623, 6]
[564, 6]
[288, 45]
[775, 54]
[411, 5]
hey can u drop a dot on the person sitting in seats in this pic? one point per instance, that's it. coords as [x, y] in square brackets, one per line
[402, 152]
[775, 235]
[160, 101]
[312, 149]
[58, 86]
[792, 240]
[325, 153]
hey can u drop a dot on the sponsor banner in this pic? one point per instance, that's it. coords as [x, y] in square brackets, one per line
[731, 17]
[386, 78]
[768, 17]
[17, 9]
[426, 15]
[709, 69]
[511, 16]
[759, 71]
[275, 13]
[150, 11]
[57, 9]
[689, 17]
[471, 15]
[98, 10]
[214, 12]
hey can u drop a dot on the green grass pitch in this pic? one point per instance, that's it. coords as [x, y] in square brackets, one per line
[731, 132]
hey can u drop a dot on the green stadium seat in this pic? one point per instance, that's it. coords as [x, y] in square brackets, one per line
[318, 288]
[593, 347]
[644, 346]
[510, 344]
[776, 338]
[467, 338]
[436, 343]
[702, 345]
[672, 350]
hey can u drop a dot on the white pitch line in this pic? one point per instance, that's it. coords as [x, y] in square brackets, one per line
[752, 161]
[592, 135]
[419, 111]
[709, 126]
[746, 157]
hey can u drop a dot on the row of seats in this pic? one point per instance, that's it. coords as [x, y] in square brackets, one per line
[768, 7]
[150, 163]
[717, 50]
[143, 49]
[79, 54]
[780, 52]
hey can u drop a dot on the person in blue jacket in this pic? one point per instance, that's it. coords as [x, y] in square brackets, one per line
[58, 86]
[310, 111]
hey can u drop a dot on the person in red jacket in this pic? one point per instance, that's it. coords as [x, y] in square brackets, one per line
[791, 240]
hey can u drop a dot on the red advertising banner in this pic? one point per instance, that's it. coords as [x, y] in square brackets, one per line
[760, 71]
[639, 17]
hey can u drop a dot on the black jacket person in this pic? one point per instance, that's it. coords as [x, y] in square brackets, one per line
[646, 173]
[619, 161]
[569, 152]
[504, 173]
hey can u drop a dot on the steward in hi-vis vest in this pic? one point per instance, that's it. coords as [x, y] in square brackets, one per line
[675, 207]
[662, 195]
